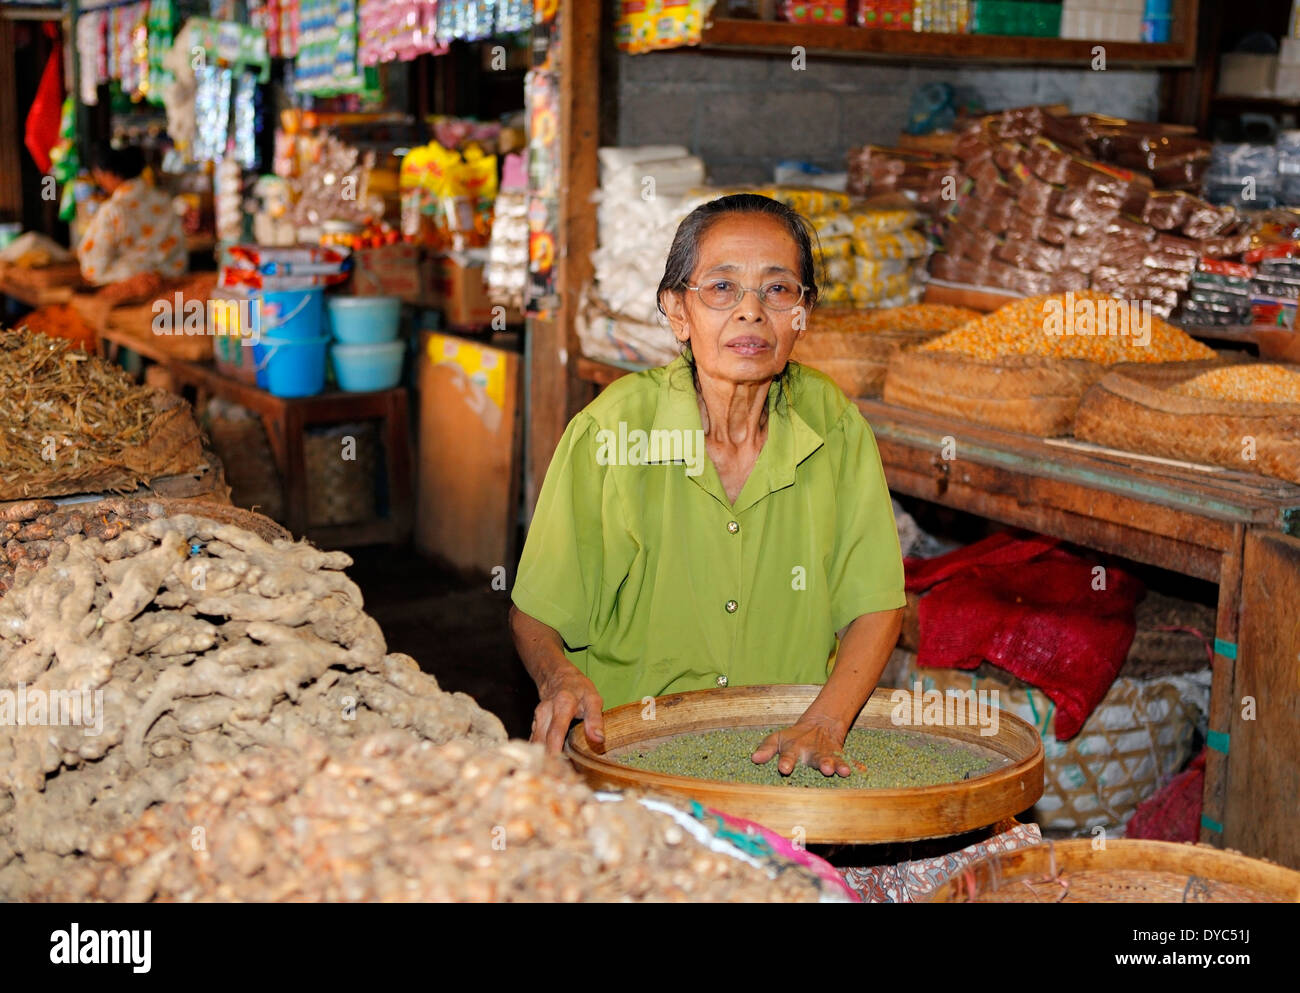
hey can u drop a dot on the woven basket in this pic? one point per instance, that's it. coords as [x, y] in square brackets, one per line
[339, 490]
[1138, 414]
[856, 360]
[1138, 737]
[259, 524]
[1029, 394]
[1124, 871]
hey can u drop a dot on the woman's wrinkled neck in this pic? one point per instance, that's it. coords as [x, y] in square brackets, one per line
[732, 414]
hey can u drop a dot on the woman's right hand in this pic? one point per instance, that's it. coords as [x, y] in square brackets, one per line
[563, 697]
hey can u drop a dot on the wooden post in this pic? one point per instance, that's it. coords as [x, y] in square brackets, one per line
[11, 182]
[553, 387]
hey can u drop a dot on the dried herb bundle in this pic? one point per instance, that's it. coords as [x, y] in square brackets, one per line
[64, 409]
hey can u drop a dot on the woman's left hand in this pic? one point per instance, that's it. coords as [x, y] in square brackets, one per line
[811, 741]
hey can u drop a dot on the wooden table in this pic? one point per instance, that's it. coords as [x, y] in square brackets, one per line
[130, 328]
[1234, 529]
[1202, 523]
[287, 419]
[40, 287]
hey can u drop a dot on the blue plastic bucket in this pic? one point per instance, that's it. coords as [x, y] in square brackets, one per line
[290, 368]
[363, 368]
[364, 320]
[293, 315]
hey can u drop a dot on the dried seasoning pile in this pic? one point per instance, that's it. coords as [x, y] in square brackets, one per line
[71, 417]
[48, 389]
[880, 759]
[183, 641]
[390, 818]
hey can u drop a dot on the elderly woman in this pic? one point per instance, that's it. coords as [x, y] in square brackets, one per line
[650, 569]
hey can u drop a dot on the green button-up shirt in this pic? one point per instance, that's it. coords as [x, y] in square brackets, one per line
[658, 583]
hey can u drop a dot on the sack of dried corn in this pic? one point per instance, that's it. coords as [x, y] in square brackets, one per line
[1244, 417]
[854, 347]
[1025, 366]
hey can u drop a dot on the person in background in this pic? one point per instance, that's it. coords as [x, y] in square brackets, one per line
[135, 231]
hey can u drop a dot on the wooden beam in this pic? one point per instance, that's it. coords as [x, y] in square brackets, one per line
[554, 389]
[11, 181]
[919, 46]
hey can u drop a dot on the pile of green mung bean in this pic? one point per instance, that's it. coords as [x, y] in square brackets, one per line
[880, 759]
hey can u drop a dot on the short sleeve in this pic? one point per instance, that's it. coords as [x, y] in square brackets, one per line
[866, 572]
[562, 569]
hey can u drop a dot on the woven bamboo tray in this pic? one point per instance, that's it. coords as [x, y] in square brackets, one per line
[1031, 394]
[819, 816]
[249, 520]
[1123, 872]
[856, 360]
[1138, 414]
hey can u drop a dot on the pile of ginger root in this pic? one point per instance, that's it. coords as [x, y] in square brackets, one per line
[387, 818]
[176, 642]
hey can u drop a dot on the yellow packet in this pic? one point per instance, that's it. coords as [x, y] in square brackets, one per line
[866, 222]
[840, 247]
[892, 245]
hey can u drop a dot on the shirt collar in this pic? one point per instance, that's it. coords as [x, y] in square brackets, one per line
[128, 187]
[790, 439]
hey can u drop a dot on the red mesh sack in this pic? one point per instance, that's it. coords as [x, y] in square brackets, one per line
[1172, 813]
[1004, 548]
[1032, 611]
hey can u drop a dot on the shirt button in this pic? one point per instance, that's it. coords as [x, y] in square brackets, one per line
[731, 606]
[722, 680]
[733, 526]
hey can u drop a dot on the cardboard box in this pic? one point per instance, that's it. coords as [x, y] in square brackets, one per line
[1244, 74]
[457, 281]
[391, 271]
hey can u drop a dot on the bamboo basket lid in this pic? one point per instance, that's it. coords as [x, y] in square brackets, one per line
[814, 815]
[1125, 871]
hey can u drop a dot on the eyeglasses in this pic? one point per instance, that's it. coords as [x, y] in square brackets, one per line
[723, 294]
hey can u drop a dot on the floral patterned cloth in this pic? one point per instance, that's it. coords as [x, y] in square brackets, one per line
[913, 882]
[134, 231]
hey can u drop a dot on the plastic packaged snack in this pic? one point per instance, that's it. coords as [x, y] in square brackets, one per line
[1205, 220]
[1166, 211]
[1047, 160]
[892, 245]
[1008, 154]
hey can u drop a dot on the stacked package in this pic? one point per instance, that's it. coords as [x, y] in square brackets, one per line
[1255, 176]
[1050, 204]
[926, 178]
[1243, 175]
[643, 197]
[1261, 289]
[869, 256]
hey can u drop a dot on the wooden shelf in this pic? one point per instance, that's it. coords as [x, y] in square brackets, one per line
[1248, 102]
[852, 41]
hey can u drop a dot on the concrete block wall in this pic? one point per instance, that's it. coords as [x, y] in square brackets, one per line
[744, 113]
